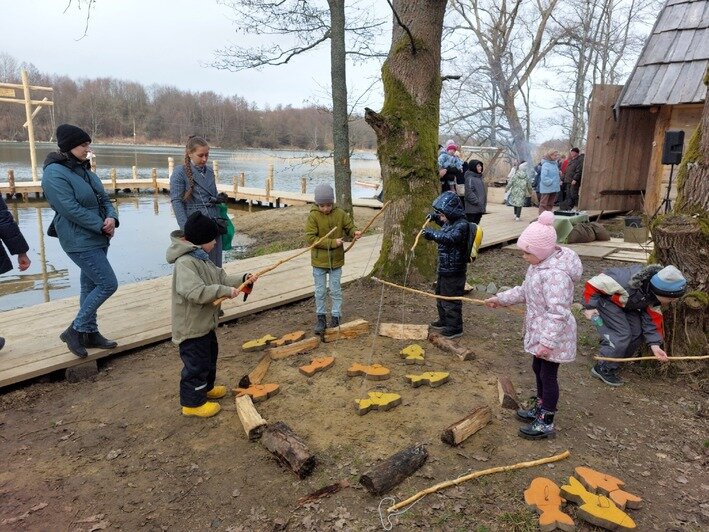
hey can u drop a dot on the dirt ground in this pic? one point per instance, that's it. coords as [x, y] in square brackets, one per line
[114, 452]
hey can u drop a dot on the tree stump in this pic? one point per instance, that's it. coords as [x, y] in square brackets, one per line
[394, 470]
[289, 449]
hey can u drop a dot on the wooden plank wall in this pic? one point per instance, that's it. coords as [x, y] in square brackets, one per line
[617, 152]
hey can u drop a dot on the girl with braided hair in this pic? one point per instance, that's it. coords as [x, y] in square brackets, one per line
[193, 188]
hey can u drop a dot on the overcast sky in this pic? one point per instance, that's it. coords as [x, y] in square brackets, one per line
[163, 42]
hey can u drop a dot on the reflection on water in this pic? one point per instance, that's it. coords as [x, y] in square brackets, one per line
[288, 166]
[137, 251]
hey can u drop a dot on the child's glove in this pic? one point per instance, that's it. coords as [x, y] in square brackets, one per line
[428, 234]
[433, 217]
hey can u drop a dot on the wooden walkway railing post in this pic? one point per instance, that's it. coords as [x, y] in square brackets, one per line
[242, 179]
[170, 167]
[11, 182]
[303, 185]
[154, 175]
[215, 167]
[113, 180]
[235, 187]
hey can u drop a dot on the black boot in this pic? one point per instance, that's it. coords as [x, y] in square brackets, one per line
[540, 428]
[530, 414]
[335, 321]
[73, 340]
[96, 339]
[321, 325]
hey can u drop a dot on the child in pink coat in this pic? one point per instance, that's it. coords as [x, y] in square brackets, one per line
[550, 328]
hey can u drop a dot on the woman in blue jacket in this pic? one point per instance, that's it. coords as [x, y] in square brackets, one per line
[85, 222]
[549, 182]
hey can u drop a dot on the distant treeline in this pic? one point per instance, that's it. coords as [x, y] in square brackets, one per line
[111, 109]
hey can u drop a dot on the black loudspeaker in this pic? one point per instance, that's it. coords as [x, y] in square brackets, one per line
[672, 149]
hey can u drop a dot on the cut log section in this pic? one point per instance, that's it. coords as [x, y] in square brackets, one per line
[251, 420]
[403, 331]
[466, 427]
[296, 348]
[450, 346]
[351, 329]
[506, 393]
[394, 470]
[289, 448]
[256, 375]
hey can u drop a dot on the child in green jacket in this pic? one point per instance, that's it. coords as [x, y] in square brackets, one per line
[196, 284]
[328, 257]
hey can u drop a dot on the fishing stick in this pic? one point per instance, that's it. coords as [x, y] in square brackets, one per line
[370, 223]
[416, 240]
[636, 359]
[272, 267]
[445, 298]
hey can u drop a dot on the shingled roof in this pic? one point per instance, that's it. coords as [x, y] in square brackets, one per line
[673, 62]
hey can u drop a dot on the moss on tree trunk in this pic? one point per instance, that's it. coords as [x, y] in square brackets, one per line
[407, 138]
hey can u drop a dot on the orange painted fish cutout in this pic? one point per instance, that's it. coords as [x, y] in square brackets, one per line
[375, 372]
[316, 364]
[608, 485]
[544, 495]
[596, 509]
[258, 392]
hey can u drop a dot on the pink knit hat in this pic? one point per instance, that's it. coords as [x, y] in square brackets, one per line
[539, 238]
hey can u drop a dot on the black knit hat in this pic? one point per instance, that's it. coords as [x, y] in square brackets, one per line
[200, 229]
[69, 137]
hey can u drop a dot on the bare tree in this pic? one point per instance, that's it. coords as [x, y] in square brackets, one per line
[407, 135]
[514, 37]
[308, 24]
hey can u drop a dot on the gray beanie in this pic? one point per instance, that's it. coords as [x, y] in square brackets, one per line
[324, 194]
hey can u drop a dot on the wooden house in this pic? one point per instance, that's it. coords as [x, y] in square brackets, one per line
[623, 167]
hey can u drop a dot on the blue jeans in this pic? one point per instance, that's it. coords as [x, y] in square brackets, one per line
[320, 278]
[98, 283]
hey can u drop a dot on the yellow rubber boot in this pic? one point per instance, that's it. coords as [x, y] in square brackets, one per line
[217, 392]
[208, 409]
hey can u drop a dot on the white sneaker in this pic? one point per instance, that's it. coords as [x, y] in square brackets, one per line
[517, 219]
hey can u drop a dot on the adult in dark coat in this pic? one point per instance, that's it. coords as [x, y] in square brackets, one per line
[16, 244]
[572, 178]
[475, 193]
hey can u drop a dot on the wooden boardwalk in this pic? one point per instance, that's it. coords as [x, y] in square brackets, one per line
[139, 313]
[262, 196]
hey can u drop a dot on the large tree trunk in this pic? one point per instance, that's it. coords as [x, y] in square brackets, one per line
[682, 238]
[407, 137]
[340, 116]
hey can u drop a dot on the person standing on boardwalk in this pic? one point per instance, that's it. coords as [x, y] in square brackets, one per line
[328, 257]
[16, 244]
[475, 199]
[519, 188]
[193, 188]
[85, 222]
[550, 181]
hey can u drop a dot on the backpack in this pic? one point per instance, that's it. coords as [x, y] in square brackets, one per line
[475, 238]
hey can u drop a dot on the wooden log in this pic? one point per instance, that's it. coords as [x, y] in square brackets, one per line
[324, 492]
[462, 352]
[256, 375]
[394, 470]
[296, 348]
[250, 419]
[289, 448]
[506, 393]
[403, 331]
[351, 329]
[466, 427]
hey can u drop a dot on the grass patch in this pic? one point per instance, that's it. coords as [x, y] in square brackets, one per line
[274, 247]
[520, 521]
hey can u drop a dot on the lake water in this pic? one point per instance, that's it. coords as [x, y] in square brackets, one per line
[137, 251]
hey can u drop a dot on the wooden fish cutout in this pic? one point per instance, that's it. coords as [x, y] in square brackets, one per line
[289, 338]
[258, 344]
[608, 485]
[433, 378]
[596, 509]
[316, 364]
[375, 372]
[258, 392]
[413, 354]
[377, 401]
[544, 495]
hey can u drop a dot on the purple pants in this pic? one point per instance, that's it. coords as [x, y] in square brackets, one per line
[547, 383]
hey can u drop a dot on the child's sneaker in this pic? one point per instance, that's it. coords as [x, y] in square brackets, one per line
[217, 392]
[530, 414]
[608, 376]
[208, 409]
[540, 428]
[451, 333]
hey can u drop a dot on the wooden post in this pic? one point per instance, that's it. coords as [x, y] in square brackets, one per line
[155, 180]
[30, 125]
[215, 167]
[235, 187]
[93, 164]
[242, 179]
[113, 180]
[134, 171]
[268, 189]
[170, 166]
[11, 182]
[270, 173]
[303, 185]
[654, 189]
